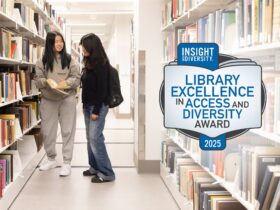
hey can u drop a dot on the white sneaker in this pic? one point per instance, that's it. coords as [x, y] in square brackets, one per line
[65, 169]
[47, 165]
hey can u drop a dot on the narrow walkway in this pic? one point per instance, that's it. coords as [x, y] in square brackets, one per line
[131, 191]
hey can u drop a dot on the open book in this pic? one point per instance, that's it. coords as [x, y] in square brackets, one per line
[57, 87]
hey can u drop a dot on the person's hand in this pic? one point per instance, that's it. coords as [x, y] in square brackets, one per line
[62, 85]
[94, 117]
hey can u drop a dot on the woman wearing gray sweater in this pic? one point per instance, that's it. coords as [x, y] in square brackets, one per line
[57, 105]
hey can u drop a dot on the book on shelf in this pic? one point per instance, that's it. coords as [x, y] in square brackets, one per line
[275, 205]
[22, 10]
[193, 178]
[3, 166]
[17, 16]
[266, 184]
[209, 195]
[16, 161]
[204, 185]
[1, 183]
[227, 203]
[276, 21]
[10, 171]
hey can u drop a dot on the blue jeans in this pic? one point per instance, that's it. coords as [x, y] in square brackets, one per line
[97, 154]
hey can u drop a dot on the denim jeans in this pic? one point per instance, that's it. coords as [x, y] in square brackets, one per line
[97, 154]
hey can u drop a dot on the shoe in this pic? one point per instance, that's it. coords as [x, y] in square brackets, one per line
[65, 169]
[97, 179]
[47, 165]
[88, 173]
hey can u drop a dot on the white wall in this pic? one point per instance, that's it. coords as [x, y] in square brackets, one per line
[148, 38]
[119, 54]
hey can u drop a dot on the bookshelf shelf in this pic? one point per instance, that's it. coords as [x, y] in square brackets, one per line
[37, 8]
[229, 186]
[27, 33]
[202, 9]
[19, 137]
[264, 49]
[168, 27]
[17, 100]
[170, 183]
[33, 126]
[8, 103]
[31, 95]
[15, 187]
[11, 61]
[270, 136]
[8, 22]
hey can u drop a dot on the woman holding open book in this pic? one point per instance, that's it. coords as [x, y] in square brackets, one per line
[57, 77]
[94, 94]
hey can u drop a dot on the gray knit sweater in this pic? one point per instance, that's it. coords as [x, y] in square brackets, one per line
[71, 75]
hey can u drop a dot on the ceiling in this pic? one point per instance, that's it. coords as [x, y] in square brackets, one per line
[92, 16]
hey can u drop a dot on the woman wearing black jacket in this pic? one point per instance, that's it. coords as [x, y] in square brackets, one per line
[94, 92]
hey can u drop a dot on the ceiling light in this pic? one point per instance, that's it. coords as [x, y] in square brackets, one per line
[89, 1]
[80, 34]
[113, 12]
[86, 24]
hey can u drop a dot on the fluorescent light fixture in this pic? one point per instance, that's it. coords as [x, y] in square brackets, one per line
[113, 12]
[80, 34]
[86, 24]
[89, 1]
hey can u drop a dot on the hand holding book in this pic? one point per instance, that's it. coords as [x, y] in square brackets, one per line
[59, 87]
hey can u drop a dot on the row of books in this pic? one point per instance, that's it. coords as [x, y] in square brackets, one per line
[250, 22]
[6, 170]
[16, 119]
[12, 162]
[14, 85]
[194, 183]
[7, 7]
[26, 16]
[247, 162]
[255, 184]
[18, 48]
[173, 9]
[34, 21]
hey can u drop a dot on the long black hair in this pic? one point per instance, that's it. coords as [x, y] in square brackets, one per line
[94, 47]
[49, 53]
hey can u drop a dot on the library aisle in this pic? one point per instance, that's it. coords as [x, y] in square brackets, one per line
[47, 191]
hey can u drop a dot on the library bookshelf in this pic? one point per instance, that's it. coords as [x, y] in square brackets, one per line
[242, 33]
[23, 26]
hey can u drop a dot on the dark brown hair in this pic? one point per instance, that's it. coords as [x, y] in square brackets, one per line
[94, 47]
